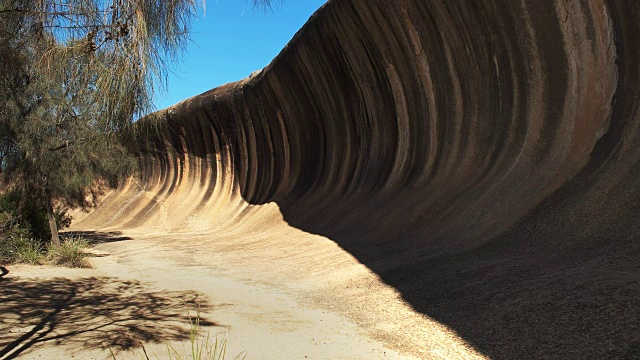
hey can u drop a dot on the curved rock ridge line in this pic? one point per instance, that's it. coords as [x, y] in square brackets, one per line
[480, 157]
[424, 123]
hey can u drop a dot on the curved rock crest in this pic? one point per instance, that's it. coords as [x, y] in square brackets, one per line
[412, 130]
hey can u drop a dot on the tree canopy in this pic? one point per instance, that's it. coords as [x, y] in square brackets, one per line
[74, 74]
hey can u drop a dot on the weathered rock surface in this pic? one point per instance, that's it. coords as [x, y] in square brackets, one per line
[483, 157]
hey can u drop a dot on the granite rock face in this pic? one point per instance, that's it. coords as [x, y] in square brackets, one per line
[413, 131]
[444, 123]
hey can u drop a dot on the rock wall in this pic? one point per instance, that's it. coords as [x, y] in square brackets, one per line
[440, 122]
[410, 130]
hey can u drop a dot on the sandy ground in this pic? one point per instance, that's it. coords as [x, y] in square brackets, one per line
[315, 303]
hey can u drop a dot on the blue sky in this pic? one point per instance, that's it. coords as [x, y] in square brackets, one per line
[231, 40]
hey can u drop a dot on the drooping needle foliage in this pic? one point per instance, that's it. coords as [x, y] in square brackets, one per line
[73, 75]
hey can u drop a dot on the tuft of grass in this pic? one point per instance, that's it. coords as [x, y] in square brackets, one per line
[203, 347]
[19, 249]
[29, 252]
[70, 253]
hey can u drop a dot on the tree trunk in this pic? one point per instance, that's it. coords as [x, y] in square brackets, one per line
[55, 239]
[21, 205]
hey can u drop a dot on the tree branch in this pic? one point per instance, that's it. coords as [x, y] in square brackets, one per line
[61, 146]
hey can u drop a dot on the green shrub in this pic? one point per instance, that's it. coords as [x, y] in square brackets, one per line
[24, 231]
[30, 219]
[6, 253]
[6, 219]
[70, 253]
[29, 252]
[7, 250]
[17, 248]
[15, 245]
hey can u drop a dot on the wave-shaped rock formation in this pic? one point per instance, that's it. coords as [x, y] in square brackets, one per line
[483, 157]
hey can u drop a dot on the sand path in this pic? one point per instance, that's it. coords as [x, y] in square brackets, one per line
[318, 303]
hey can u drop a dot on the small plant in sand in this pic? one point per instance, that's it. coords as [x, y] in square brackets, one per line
[203, 347]
[71, 253]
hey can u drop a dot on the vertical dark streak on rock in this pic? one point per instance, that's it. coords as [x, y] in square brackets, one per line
[480, 156]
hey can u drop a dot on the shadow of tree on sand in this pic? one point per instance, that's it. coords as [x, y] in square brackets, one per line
[92, 313]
